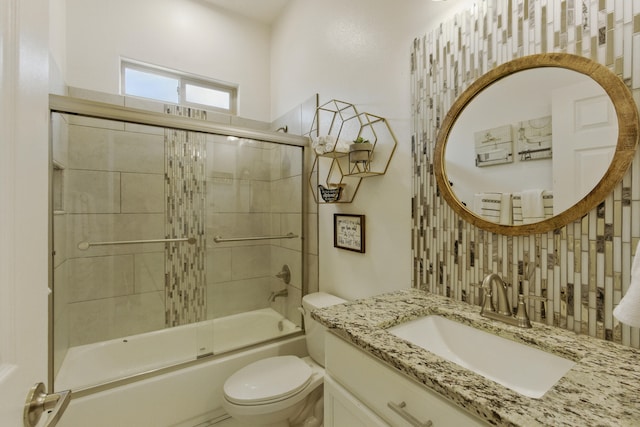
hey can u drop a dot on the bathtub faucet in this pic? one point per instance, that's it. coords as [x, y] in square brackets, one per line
[281, 293]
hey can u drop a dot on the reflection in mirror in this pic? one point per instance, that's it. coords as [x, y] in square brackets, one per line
[516, 138]
[536, 143]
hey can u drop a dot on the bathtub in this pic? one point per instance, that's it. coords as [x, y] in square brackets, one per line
[187, 397]
[94, 364]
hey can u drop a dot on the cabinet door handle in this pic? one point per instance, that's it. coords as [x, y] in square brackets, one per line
[398, 408]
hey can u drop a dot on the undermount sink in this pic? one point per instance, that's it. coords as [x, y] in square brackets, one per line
[523, 369]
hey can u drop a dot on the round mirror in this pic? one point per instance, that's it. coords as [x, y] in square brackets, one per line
[536, 143]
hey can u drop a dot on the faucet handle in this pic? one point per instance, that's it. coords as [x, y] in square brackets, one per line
[521, 313]
[487, 300]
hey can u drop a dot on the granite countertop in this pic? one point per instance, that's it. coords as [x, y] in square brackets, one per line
[602, 389]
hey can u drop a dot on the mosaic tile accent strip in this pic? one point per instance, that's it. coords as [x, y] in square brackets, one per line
[185, 181]
[576, 274]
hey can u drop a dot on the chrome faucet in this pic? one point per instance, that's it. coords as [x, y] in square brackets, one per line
[281, 293]
[503, 313]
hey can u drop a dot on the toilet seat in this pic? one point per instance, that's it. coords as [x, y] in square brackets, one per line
[267, 381]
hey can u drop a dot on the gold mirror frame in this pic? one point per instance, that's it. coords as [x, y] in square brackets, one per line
[628, 125]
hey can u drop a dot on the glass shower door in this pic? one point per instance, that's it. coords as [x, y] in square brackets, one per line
[139, 281]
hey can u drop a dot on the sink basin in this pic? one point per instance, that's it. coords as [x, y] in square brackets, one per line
[523, 369]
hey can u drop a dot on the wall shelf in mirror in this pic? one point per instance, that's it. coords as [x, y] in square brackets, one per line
[348, 146]
[488, 136]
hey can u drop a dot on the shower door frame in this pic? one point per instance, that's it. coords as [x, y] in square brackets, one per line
[99, 110]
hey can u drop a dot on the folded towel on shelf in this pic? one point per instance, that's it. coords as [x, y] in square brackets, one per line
[532, 206]
[517, 208]
[506, 212]
[494, 207]
[328, 143]
[547, 203]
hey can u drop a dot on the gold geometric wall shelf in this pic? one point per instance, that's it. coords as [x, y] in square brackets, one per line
[335, 126]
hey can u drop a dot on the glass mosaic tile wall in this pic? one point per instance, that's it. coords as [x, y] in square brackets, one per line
[185, 180]
[578, 273]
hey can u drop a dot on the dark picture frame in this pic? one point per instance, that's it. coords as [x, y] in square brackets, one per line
[348, 232]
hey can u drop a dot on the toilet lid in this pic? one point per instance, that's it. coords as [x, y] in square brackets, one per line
[267, 380]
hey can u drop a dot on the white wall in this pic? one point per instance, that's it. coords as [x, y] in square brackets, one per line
[187, 35]
[358, 51]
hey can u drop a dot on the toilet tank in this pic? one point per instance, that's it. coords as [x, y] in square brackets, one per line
[314, 331]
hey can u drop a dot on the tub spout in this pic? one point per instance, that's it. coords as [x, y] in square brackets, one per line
[281, 293]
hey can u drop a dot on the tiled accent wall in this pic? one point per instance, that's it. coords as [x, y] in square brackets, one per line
[582, 269]
[185, 191]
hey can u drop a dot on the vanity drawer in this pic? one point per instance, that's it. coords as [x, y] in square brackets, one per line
[379, 387]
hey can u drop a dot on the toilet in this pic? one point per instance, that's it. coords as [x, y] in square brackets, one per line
[283, 391]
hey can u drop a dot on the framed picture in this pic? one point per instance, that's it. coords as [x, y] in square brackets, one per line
[348, 232]
[493, 146]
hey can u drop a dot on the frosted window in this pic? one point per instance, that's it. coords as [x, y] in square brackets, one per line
[148, 85]
[206, 96]
[165, 85]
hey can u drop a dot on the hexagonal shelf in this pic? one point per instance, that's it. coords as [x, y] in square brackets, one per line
[340, 163]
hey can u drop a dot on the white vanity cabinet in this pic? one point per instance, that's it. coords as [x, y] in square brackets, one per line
[362, 391]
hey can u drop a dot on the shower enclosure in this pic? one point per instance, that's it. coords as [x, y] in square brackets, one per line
[169, 232]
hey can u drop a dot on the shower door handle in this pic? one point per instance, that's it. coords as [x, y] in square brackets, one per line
[38, 401]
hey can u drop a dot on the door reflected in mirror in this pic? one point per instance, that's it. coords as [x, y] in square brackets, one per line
[536, 143]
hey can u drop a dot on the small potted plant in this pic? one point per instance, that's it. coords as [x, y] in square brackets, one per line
[360, 150]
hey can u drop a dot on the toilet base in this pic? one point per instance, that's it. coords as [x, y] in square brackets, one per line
[306, 413]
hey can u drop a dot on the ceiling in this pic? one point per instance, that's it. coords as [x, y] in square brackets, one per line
[266, 11]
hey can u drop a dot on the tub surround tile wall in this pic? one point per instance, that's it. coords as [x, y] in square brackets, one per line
[582, 269]
[601, 389]
[111, 194]
[251, 183]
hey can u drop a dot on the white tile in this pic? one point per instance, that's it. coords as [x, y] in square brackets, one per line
[100, 277]
[287, 195]
[218, 265]
[221, 158]
[149, 271]
[253, 161]
[109, 150]
[143, 193]
[250, 261]
[228, 195]
[261, 196]
[104, 319]
[228, 298]
[92, 191]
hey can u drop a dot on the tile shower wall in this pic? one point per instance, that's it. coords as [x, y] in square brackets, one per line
[254, 189]
[114, 191]
[582, 269]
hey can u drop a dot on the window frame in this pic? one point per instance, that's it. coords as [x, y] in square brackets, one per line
[183, 80]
